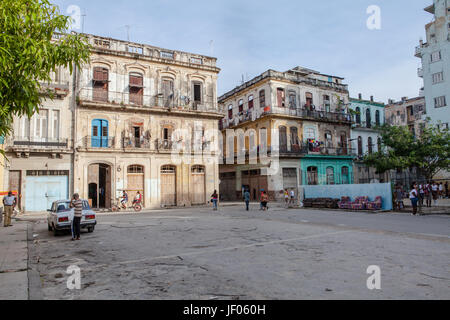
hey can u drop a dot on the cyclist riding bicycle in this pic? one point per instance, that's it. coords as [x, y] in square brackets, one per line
[124, 199]
[137, 199]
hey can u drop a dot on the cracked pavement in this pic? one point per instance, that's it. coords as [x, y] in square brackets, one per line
[233, 254]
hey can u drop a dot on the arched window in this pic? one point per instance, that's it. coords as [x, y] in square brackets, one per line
[370, 147]
[230, 111]
[310, 133]
[360, 146]
[101, 84]
[135, 169]
[309, 100]
[379, 144]
[136, 81]
[167, 87]
[326, 103]
[250, 102]
[262, 99]
[377, 117]
[345, 175]
[368, 119]
[313, 178]
[281, 98]
[197, 89]
[294, 138]
[358, 115]
[241, 106]
[330, 175]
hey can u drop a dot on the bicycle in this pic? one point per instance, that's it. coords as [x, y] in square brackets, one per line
[117, 206]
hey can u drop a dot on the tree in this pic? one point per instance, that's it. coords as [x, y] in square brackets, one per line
[429, 152]
[29, 53]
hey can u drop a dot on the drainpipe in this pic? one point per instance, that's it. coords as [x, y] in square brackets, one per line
[74, 124]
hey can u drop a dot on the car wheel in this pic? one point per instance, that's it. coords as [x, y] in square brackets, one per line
[55, 232]
[91, 229]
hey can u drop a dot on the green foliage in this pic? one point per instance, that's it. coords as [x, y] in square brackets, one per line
[430, 152]
[28, 55]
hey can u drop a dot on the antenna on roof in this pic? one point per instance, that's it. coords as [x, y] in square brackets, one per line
[211, 47]
[128, 31]
[82, 20]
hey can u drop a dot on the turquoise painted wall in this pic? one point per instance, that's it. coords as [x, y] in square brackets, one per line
[322, 163]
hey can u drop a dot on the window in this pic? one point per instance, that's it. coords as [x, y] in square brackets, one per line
[310, 133]
[377, 117]
[330, 175]
[358, 115]
[313, 178]
[55, 133]
[379, 144]
[345, 175]
[41, 125]
[360, 146]
[197, 92]
[230, 111]
[438, 77]
[168, 169]
[198, 169]
[136, 88]
[326, 103]
[292, 100]
[250, 102]
[262, 99]
[368, 119]
[281, 98]
[283, 138]
[100, 84]
[196, 60]
[369, 142]
[241, 106]
[100, 132]
[436, 56]
[135, 169]
[167, 89]
[440, 102]
[294, 136]
[309, 100]
[328, 139]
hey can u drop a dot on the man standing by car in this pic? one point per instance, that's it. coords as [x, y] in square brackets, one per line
[76, 203]
[8, 202]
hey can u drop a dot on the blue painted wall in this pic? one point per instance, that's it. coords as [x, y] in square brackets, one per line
[371, 190]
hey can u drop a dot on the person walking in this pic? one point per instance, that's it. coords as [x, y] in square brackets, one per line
[260, 205]
[77, 204]
[427, 190]
[441, 190]
[247, 199]
[215, 199]
[414, 197]
[265, 201]
[9, 202]
[398, 197]
[286, 198]
[421, 195]
[292, 200]
[435, 192]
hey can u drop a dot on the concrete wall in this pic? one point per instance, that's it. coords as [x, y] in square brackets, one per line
[356, 190]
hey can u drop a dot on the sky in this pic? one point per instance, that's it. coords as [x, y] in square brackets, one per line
[249, 37]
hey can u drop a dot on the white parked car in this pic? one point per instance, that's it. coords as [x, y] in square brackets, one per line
[60, 217]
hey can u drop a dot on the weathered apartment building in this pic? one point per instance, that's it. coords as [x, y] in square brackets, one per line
[119, 130]
[300, 120]
[407, 112]
[368, 114]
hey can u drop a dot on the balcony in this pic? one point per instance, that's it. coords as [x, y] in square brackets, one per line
[91, 142]
[38, 143]
[311, 114]
[94, 98]
[420, 72]
[136, 143]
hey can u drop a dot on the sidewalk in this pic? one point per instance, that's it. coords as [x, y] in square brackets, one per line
[14, 261]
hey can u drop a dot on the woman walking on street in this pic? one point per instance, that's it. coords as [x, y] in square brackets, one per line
[435, 192]
[264, 201]
[215, 199]
[414, 197]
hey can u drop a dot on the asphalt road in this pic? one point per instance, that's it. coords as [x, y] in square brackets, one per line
[233, 254]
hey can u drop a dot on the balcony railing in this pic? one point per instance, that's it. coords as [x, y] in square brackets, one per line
[99, 142]
[313, 114]
[307, 149]
[124, 99]
[136, 143]
[36, 142]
